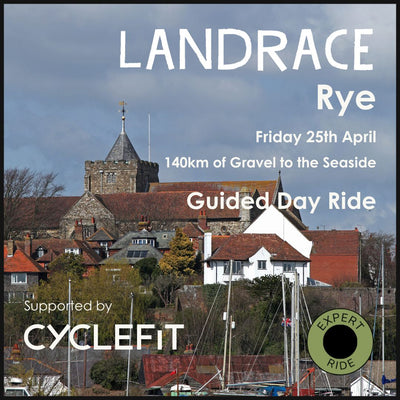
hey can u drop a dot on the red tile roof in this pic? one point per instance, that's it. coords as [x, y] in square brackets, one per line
[236, 186]
[159, 206]
[21, 262]
[56, 247]
[334, 256]
[243, 246]
[157, 368]
[334, 242]
[49, 212]
[191, 230]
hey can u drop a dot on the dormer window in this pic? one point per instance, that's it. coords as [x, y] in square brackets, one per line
[40, 251]
[151, 242]
[73, 250]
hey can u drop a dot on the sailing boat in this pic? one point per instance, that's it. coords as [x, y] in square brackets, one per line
[275, 388]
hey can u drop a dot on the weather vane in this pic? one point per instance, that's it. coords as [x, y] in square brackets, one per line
[122, 103]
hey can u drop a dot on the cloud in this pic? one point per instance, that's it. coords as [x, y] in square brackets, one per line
[63, 84]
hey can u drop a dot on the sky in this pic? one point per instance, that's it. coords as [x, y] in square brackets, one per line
[63, 83]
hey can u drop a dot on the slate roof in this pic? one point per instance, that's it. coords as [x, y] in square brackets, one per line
[125, 255]
[39, 367]
[21, 262]
[243, 246]
[334, 242]
[101, 235]
[122, 149]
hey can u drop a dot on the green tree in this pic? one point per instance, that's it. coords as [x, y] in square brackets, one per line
[111, 285]
[111, 373]
[180, 260]
[148, 269]
[69, 263]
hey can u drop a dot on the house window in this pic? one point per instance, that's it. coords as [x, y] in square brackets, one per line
[236, 268]
[262, 264]
[289, 267]
[19, 278]
[16, 297]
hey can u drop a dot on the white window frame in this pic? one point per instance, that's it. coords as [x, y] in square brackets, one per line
[289, 266]
[237, 268]
[262, 265]
[14, 281]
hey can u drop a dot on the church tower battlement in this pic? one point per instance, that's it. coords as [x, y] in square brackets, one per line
[122, 170]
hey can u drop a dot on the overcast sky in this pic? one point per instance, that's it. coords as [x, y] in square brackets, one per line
[63, 83]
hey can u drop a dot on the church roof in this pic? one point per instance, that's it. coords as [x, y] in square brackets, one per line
[122, 149]
[252, 186]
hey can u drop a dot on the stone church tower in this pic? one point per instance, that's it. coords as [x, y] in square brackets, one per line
[122, 170]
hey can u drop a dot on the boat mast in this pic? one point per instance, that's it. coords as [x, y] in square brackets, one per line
[227, 324]
[296, 336]
[292, 338]
[285, 332]
[383, 318]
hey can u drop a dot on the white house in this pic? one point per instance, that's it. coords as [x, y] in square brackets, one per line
[364, 387]
[253, 255]
[275, 222]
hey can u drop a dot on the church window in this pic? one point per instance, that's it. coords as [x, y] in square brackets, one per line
[111, 177]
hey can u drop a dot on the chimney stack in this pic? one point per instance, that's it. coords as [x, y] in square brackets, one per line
[28, 244]
[78, 230]
[202, 220]
[10, 247]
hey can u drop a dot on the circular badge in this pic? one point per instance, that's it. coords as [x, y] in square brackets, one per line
[340, 341]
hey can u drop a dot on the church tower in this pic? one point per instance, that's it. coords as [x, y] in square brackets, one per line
[122, 170]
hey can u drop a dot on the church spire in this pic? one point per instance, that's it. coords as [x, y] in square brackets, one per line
[123, 148]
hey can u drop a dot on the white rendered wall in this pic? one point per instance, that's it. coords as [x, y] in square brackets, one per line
[273, 221]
